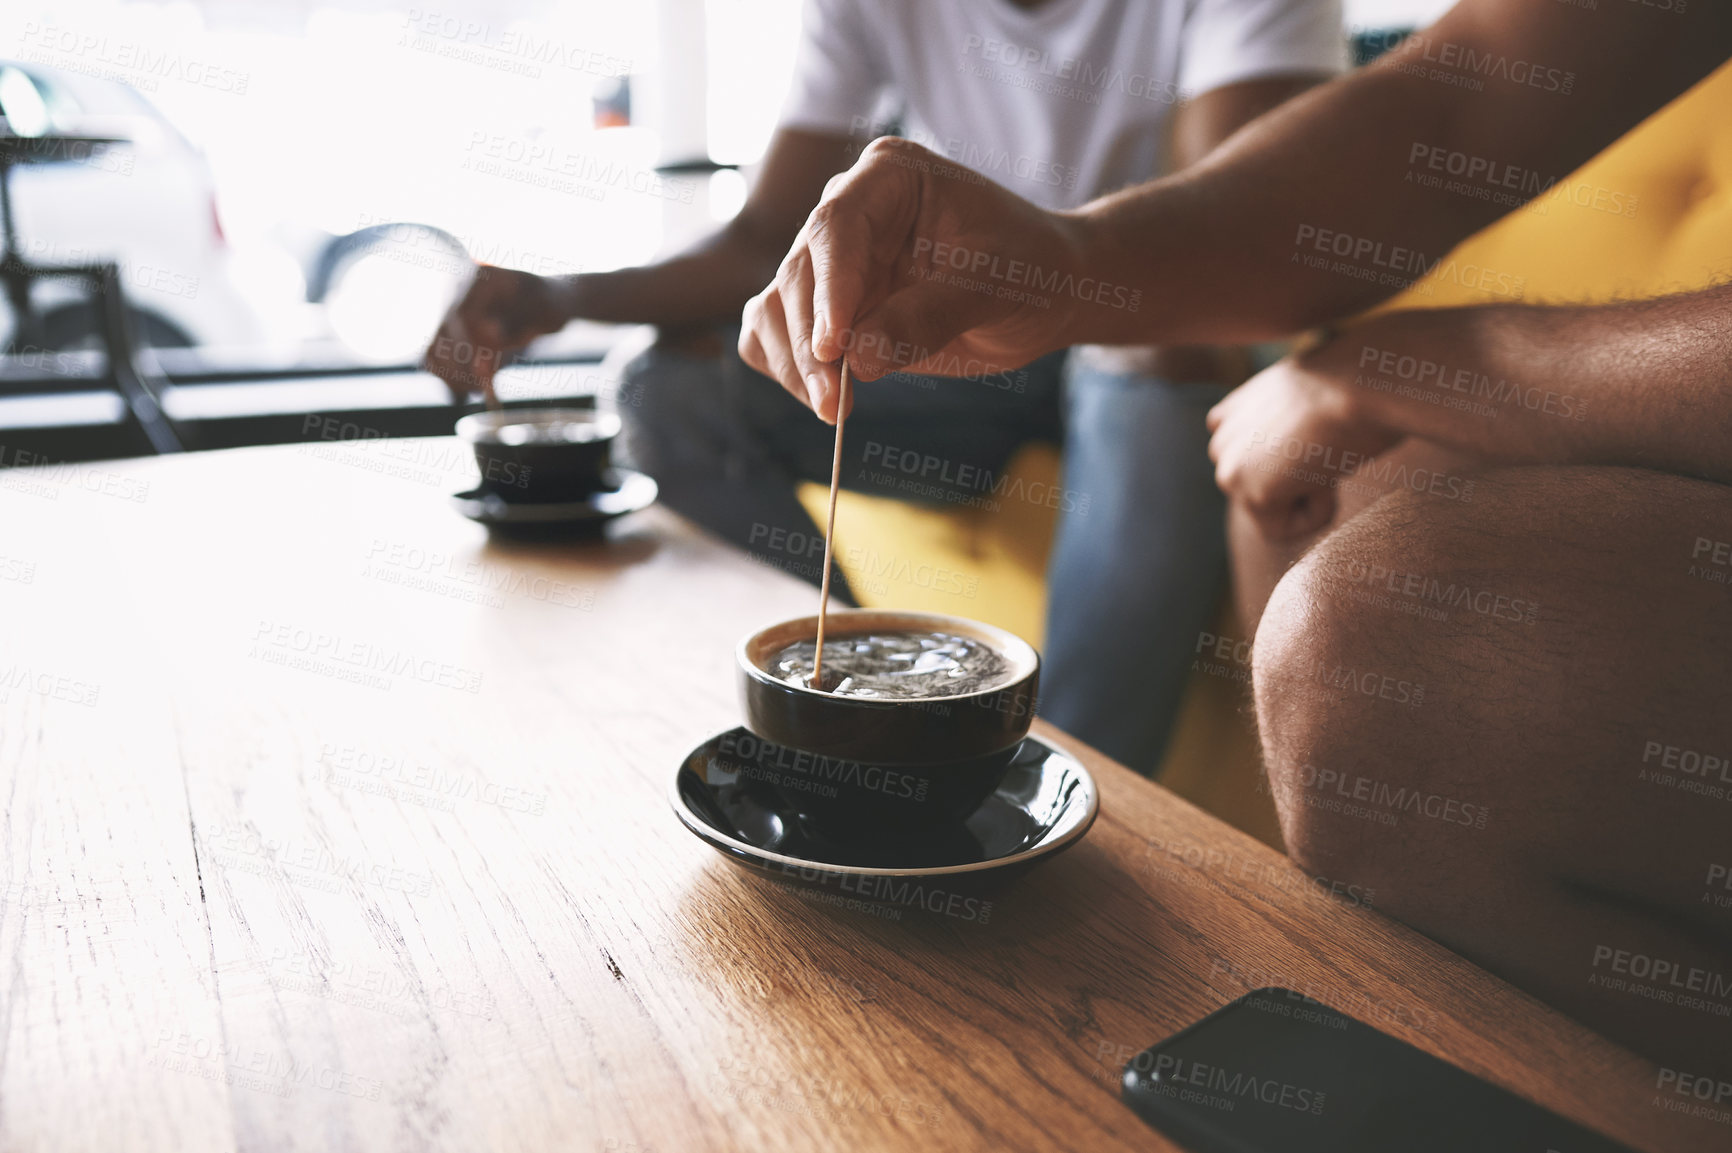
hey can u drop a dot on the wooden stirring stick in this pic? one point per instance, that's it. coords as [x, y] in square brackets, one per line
[830, 532]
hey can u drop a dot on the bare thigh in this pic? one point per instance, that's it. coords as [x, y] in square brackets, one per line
[1511, 716]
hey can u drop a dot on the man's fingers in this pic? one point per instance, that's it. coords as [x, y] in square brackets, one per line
[439, 369]
[1285, 508]
[751, 348]
[462, 379]
[1230, 465]
[838, 247]
[487, 330]
[459, 392]
[1312, 513]
[776, 339]
[855, 236]
[1299, 513]
[773, 357]
[439, 361]
[1217, 415]
[822, 381]
[1217, 450]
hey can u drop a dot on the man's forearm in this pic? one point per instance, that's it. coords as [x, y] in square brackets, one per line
[706, 284]
[1308, 215]
[1200, 126]
[1647, 384]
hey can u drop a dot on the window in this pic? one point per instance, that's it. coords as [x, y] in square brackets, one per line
[304, 186]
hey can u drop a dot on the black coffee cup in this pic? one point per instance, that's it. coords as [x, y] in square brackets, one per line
[542, 455]
[877, 766]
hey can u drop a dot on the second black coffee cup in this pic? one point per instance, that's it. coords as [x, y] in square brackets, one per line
[541, 455]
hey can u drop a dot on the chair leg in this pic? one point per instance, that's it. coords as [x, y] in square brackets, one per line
[118, 338]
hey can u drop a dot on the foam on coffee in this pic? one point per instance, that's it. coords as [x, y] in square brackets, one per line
[897, 665]
[989, 658]
[533, 431]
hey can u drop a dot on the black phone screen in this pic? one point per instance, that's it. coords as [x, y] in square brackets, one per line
[1276, 1072]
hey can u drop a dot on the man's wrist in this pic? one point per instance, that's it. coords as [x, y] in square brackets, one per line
[1093, 254]
[571, 297]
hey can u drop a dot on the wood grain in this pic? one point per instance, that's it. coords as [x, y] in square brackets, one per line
[330, 825]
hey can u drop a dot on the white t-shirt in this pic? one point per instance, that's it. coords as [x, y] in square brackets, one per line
[1060, 103]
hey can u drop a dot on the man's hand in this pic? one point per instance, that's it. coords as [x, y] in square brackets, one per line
[913, 263]
[501, 311]
[1284, 440]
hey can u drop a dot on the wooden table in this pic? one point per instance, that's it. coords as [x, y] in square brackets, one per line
[330, 825]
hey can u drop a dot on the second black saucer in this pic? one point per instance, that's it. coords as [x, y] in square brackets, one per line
[631, 491]
[1045, 803]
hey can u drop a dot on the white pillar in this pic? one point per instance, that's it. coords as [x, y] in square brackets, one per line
[682, 81]
[680, 116]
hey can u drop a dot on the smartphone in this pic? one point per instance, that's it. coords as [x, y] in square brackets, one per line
[1276, 1072]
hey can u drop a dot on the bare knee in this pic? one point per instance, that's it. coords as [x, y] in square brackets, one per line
[1366, 769]
[1309, 731]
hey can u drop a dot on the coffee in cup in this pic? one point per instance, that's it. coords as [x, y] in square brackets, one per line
[897, 665]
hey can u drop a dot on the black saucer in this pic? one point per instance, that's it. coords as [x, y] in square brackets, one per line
[1045, 804]
[630, 492]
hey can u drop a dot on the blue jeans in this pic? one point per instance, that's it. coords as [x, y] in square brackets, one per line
[1139, 559]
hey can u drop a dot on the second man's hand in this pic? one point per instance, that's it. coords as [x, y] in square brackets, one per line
[499, 313]
[912, 263]
[1285, 439]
